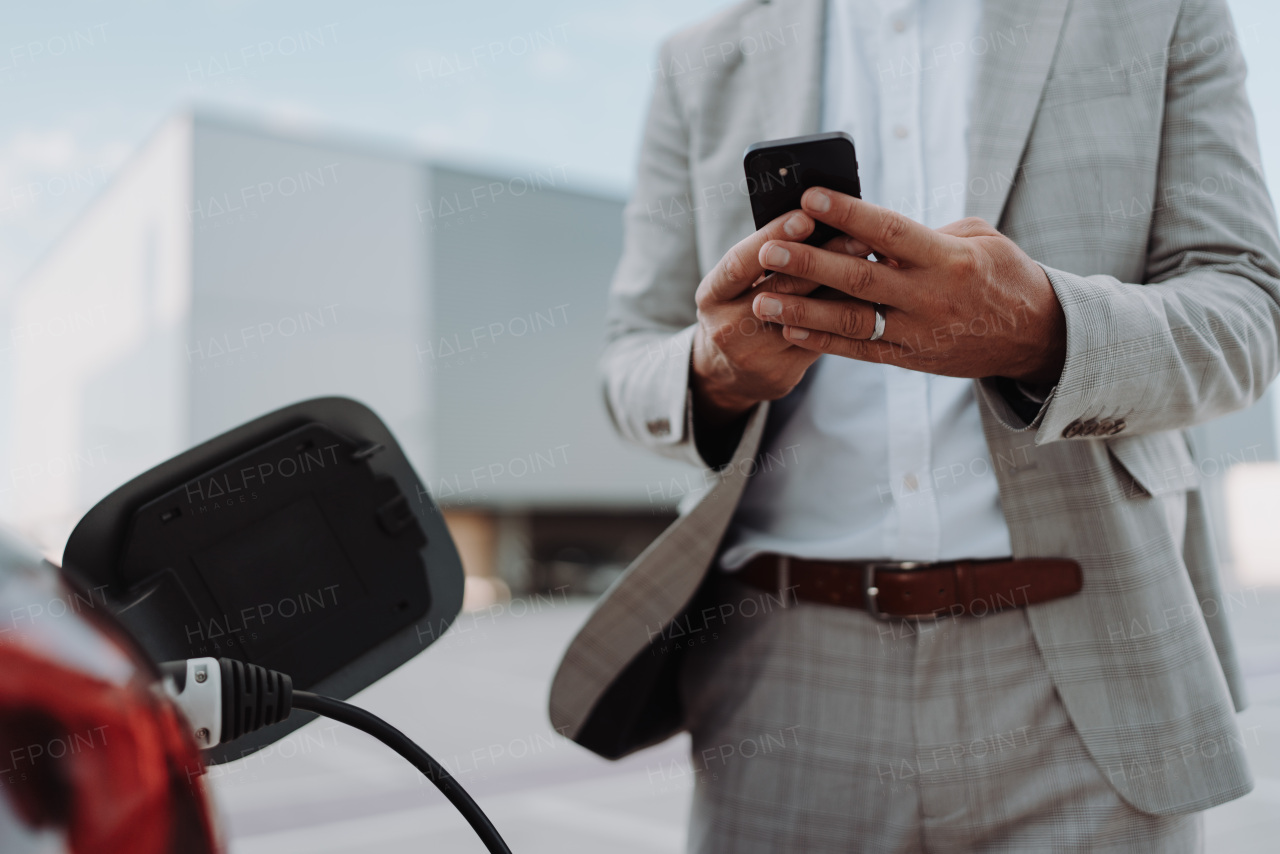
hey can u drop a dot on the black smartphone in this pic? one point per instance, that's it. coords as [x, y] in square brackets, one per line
[780, 170]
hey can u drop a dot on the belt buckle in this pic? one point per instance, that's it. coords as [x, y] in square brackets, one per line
[870, 590]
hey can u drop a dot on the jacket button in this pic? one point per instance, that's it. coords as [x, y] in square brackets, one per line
[1089, 428]
[1116, 427]
[659, 426]
[1104, 427]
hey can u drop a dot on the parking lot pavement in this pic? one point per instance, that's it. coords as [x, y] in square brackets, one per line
[476, 700]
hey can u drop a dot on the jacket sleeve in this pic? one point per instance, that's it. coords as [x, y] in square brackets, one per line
[1198, 339]
[652, 314]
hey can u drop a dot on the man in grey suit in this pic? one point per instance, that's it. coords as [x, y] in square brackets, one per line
[951, 586]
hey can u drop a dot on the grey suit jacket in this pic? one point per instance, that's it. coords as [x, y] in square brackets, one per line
[1112, 140]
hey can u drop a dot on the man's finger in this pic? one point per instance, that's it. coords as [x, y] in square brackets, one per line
[740, 266]
[857, 277]
[842, 243]
[848, 318]
[846, 245]
[838, 345]
[882, 229]
[735, 323]
[780, 283]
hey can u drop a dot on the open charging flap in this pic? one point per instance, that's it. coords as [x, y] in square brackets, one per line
[302, 541]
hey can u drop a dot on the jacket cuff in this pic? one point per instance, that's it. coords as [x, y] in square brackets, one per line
[1081, 405]
[1022, 405]
[1015, 409]
[648, 392]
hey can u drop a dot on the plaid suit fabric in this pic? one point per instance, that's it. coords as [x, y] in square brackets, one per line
[1113, 142]
[820, 729]
[644, 603]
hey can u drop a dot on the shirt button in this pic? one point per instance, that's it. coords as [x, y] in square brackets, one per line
[899, 25]
[900, 131]
[910, 482]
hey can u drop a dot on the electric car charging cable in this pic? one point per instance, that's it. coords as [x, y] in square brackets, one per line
[223, 699]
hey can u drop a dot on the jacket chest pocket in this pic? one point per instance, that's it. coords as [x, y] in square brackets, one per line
[1084, 85]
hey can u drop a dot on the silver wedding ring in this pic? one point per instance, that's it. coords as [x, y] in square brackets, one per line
[879, 330]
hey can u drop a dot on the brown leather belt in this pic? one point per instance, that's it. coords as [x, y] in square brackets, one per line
[915, 590]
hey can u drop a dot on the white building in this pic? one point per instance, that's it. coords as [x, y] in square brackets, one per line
[229, 270]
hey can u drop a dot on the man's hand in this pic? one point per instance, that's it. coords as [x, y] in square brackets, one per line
[738, 359]
[962, 301]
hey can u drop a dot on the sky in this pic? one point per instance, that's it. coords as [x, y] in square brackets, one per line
[509, 85]
[506, 84]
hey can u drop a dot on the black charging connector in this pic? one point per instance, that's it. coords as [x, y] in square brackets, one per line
[224, 699]
[252, 697]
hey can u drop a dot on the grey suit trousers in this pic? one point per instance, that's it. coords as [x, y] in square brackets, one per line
[821, 729]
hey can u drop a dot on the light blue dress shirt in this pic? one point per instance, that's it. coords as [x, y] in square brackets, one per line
[877, 461]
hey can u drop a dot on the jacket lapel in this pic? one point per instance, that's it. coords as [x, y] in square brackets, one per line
[781, 45]
[1021, 38]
